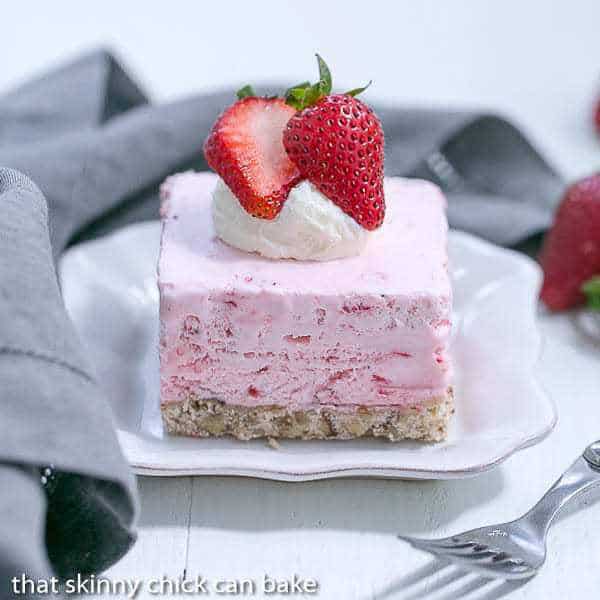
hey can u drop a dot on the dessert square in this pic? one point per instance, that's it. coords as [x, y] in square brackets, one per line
[254, 347]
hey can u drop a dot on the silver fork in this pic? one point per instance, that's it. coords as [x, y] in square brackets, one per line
[517, 550]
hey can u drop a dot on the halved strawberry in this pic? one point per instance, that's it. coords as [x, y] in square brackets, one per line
[245, 148]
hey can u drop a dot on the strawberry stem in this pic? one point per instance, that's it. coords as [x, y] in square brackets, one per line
[591, 289]
[305, 94]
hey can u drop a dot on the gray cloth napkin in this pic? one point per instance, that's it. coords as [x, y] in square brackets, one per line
[97, 151]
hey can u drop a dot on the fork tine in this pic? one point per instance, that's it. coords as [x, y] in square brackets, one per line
[440, 546]
[442, 552]
[466, 548]
[505, 569]
[453, 540]
[471, 556]
[506, 566]
[410, 539]
[523, 572]
[421, 544]
[448, 544]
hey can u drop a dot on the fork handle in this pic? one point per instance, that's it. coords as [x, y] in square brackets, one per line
[581, 476]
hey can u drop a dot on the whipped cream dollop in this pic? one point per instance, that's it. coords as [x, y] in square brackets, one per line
[309, 227]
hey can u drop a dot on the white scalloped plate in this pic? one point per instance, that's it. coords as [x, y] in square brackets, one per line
[110, 291]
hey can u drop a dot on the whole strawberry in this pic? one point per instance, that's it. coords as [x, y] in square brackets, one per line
[336, 141]
[571, 251]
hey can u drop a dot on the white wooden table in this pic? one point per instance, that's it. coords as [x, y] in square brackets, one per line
[535, 61]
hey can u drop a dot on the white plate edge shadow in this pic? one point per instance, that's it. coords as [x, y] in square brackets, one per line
[146, 462]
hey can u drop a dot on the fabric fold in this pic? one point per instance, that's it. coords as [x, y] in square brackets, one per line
[497, 184]
[53, 412]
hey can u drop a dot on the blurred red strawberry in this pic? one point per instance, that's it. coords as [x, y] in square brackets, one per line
[571, 251]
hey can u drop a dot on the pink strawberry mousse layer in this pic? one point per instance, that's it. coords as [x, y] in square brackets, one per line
[369, 330]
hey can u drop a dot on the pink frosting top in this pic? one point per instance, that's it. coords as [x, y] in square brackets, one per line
[407, 255]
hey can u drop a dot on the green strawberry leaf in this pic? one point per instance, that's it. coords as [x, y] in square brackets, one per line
[304, 94]
[591, 289]
[300, 86]
[357, 91]
[295, 97]
[325, 82]
[246, 92]
[301, 97]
